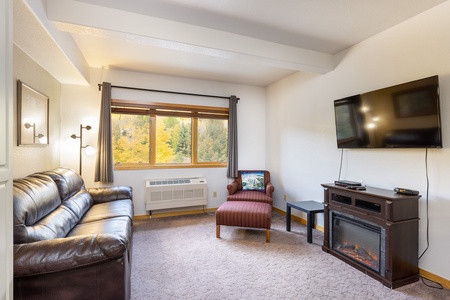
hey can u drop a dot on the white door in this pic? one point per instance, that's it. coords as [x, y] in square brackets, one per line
[6, 129]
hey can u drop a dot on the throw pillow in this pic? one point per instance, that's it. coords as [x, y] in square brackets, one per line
[253, 181]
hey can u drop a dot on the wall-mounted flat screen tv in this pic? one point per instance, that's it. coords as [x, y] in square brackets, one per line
[401, 116]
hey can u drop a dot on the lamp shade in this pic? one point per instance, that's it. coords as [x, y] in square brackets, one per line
[90, 150]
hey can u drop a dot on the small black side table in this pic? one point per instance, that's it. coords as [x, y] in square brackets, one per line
[311, 208]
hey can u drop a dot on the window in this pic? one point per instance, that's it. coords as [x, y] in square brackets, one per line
[157, 135]
[212, 141]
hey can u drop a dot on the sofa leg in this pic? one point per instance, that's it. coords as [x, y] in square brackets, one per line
[217, 231]
[267, 235]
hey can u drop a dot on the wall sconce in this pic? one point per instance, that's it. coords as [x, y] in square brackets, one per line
[42, 139]
[89, 149]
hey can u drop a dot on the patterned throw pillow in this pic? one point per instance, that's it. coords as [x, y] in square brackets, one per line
[253, 181]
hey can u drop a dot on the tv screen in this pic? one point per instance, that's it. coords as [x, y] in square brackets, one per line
[401, 116]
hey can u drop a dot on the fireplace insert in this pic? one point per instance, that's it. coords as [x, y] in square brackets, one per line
[358, 240]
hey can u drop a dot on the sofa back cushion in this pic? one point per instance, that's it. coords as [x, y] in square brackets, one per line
[69, 183]
[39, 211]
[33, 200]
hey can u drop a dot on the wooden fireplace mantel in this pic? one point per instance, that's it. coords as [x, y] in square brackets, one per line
[397, 214]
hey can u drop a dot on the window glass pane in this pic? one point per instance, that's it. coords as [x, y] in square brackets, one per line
[130, 138]
[212, 140]
[173, 140]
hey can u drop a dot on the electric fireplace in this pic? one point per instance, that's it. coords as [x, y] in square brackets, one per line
[375, 231]
[358, 240]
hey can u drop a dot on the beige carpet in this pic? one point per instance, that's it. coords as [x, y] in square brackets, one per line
[180, 258]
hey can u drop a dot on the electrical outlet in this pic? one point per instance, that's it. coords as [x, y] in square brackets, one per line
[285, 197]
[214, 194]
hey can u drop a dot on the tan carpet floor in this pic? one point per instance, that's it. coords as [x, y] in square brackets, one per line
[180, 258]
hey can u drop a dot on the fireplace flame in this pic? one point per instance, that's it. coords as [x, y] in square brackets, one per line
[359, 254]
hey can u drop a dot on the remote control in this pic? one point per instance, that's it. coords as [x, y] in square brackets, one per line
[404, 191]
[358, 188]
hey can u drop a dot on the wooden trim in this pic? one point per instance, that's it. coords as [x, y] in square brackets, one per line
[444, 282]
[141, 217]
[194, 140]
[152, 146]
[158, 215]
[169, 109]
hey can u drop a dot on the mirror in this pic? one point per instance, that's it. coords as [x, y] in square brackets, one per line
[32, 116]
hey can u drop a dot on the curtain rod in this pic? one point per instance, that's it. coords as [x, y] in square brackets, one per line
[162, 91]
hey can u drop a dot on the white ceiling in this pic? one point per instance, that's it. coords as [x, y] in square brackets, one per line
[255, 42]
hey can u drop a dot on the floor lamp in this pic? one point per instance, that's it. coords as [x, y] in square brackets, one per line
[89, 149]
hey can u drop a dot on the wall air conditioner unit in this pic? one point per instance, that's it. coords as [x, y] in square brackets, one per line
[176, 192]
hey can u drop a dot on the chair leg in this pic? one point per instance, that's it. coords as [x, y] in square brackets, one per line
[218, 231]
[267, 235]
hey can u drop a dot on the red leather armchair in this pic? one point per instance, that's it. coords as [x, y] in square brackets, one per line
[237, 191]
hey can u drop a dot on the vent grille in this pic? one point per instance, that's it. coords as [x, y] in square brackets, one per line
[176, 192]
[172, 181]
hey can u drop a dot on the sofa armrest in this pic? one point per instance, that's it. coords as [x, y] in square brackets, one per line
[63, 254]
[269, 189]
[232, 187]
[107, 194]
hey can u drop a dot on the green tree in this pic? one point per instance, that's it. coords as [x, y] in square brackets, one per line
[212, 141]
[185, 141]
[130, 135]
[164, 151]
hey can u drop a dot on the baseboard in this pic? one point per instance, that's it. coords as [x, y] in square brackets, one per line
[156, 215]
[444, 282]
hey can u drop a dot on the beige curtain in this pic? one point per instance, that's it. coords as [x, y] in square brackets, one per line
[104, 166]
[232, 170]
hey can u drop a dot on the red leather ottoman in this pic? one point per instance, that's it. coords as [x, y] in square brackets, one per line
[244, 214]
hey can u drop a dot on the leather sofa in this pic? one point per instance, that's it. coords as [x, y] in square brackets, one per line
[71, 242]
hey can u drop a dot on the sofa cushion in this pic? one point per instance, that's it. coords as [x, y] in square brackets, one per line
[66, 253]
[254, 196]
[68, 181]
[121, 226]
[34, 199]
[108, 210]
[79, 204]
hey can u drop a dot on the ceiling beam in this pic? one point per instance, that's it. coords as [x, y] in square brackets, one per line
[57, 52]
[78, 17]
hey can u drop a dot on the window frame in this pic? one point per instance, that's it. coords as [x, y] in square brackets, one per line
[154, 109]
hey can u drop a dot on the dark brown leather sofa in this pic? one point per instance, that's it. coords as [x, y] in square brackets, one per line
[69, 242]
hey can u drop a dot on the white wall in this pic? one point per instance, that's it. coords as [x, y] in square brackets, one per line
[81, 105]
[301, 132]
[6, 140]
[30, 159]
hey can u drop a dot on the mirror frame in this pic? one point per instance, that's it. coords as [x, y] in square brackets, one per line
[32, 116]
